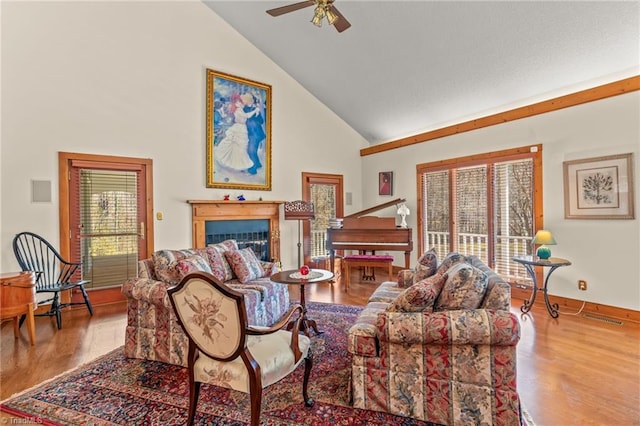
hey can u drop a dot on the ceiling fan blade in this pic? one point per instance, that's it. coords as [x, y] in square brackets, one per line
[341, 23]
[290, 8]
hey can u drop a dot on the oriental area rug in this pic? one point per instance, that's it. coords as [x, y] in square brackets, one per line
[115, 390]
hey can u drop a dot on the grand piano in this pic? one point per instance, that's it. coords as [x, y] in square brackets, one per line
[370, 233]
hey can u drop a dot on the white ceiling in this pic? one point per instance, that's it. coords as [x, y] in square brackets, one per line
[406, 67]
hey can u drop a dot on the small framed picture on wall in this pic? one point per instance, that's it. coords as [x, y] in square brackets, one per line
[385, 183]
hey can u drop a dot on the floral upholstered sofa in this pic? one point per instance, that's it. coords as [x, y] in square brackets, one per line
[153, 332]
[439, 345]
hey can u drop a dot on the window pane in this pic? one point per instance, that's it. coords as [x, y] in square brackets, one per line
[109, 221]
[513, 183]
[324, 205]
[482, 205]
[471, 212]
[436, 211]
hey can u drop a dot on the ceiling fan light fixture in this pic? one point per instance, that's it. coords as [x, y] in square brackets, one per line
[331, 16]
[322, 9]
[318, 14]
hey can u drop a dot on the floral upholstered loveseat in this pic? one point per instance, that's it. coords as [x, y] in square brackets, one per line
[441, 350]
[153, 332]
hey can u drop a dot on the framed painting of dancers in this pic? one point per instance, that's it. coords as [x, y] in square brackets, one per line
[238, 132]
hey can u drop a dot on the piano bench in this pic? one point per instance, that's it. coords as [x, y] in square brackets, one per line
[367, 261]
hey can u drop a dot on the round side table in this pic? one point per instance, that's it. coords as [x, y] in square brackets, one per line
[315, 276]
[553, 263]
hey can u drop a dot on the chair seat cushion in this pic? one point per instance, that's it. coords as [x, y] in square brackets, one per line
[272, 352]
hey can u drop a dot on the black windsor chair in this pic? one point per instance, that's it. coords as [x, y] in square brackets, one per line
[54, 274]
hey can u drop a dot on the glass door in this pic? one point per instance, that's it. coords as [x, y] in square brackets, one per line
[105, 219]
[326, 193]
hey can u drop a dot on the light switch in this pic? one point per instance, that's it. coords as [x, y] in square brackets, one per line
[159, 216]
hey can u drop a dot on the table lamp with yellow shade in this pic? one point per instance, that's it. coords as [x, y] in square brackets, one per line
[543, 238]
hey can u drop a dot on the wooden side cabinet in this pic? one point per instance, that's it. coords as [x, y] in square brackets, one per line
[17, 298]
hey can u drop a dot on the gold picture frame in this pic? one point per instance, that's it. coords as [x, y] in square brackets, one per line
[599, 188]
[238, 132]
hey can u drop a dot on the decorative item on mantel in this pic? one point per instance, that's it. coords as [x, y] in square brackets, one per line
[225, 197]
[241, 197]
[299, 210]
[403, 211]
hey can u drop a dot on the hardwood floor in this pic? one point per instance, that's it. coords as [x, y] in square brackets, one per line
[571, 371]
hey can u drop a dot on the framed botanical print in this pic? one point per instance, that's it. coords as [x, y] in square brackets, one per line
[238, 132]
[599, 188]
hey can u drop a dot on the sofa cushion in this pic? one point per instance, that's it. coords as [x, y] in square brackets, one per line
[164, 263]
[218, 261]
[245, 264]
[386, 292]
[464, 288]
[420, 297]
[449, 260]
[195, 263]
[226, 245]
[427, 265]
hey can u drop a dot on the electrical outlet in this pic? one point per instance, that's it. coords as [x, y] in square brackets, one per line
[582, 285]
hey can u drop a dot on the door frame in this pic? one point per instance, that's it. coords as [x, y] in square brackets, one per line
[309, 178]
[64, 173]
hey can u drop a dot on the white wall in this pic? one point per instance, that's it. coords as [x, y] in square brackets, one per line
[605, 253]
[128, 79]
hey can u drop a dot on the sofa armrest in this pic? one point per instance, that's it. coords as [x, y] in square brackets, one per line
[148, 290]
[405, 278]
[269, 268]
[463, 327]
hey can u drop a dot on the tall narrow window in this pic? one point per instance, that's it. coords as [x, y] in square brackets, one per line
[483, 206]
[110, 228]
[326, 193]
[436, 211]
[514, 210]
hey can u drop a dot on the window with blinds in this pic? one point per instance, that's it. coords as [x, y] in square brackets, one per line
[483, 207]
[109, 223]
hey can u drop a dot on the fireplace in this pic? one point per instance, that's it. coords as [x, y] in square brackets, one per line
[252, 233]
[254, 224]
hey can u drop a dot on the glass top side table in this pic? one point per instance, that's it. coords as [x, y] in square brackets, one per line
[529, 263]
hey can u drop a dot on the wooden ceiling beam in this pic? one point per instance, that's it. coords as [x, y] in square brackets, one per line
[615, 88]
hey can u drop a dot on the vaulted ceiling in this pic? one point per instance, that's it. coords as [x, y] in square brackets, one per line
[406, 67]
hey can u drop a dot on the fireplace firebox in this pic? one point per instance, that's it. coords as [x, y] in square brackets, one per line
[254, 224]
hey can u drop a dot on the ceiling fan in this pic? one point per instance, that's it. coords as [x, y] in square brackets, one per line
[323, 9]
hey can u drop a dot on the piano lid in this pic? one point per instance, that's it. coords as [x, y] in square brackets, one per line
[376, 208]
